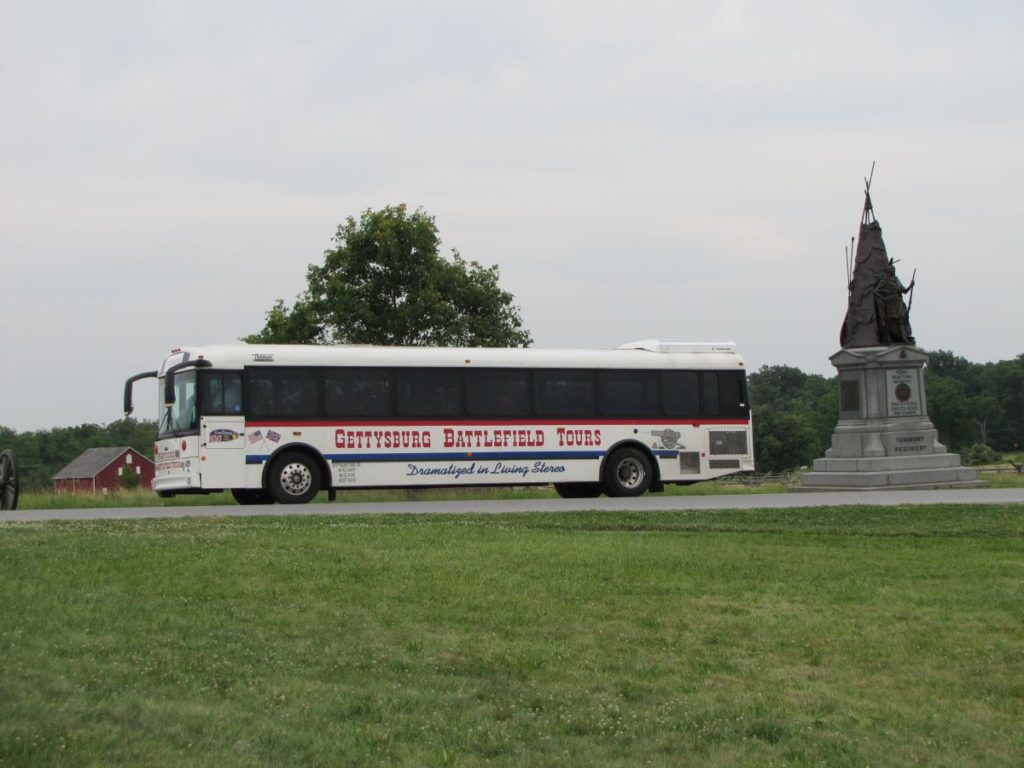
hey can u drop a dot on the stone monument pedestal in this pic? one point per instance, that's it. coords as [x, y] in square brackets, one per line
[884, 439]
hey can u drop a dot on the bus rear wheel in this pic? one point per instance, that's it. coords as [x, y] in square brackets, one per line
[627, 473]
[294, 478]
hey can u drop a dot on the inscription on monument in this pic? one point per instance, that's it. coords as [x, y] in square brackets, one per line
[904, 397]
[912, 444]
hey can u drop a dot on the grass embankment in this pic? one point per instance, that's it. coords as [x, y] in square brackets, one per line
[840, 637]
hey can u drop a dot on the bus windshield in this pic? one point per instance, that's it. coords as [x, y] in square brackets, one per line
[181, 417]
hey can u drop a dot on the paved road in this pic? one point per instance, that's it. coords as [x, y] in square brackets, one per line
[654, 502]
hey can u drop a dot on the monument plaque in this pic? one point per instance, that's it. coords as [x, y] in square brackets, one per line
[849, 396]
[905, 392]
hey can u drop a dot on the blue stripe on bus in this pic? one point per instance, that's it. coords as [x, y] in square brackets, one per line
[482, 456]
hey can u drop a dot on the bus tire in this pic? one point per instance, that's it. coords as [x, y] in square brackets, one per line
[294, 478]
[578, 490]
[627, 473]
[252, 496]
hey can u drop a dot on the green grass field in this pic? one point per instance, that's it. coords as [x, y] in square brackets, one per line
[838, 637]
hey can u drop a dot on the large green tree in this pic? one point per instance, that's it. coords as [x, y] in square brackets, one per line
[386, 283]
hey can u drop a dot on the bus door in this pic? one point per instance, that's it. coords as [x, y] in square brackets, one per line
[222, 436]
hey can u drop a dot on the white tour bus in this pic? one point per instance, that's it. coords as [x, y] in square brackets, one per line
[280, 423]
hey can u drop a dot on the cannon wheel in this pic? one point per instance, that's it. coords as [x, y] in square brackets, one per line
[8, 481]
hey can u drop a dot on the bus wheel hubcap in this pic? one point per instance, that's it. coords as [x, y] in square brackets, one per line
[630, 473]
[296, 479]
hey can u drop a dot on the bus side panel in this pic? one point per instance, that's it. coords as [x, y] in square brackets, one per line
[431, 454]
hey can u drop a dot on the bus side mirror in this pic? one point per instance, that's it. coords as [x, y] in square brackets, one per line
[128, 406]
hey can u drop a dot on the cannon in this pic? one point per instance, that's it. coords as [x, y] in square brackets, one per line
[8, 481]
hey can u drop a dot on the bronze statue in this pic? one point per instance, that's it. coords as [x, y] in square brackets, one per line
[876, 314]
[891, 315]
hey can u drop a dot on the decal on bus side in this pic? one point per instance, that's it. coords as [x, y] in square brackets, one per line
[224, 435]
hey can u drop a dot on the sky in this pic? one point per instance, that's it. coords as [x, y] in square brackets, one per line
[675, 170]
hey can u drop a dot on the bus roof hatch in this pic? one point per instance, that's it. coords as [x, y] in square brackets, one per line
[657, 345]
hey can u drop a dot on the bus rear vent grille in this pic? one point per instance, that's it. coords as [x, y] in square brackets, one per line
[689, 463]
[724, 463]
[731, 442]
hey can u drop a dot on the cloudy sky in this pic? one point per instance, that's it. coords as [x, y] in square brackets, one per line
[682, 170]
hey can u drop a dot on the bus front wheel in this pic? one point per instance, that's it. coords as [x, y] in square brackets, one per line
[627, 473]
[294, 478]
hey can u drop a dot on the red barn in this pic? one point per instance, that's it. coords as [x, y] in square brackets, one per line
[100, 470]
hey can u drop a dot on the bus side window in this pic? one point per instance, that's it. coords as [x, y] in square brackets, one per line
[232, 393]
[498, 392]
[213, 394]
[564, 393]
[260, 395]
[680, 394]
[429, 392]
[296, 392]
[630, 394]
[222, 392]
[359, 392]
[709, 385]
[732, 394]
